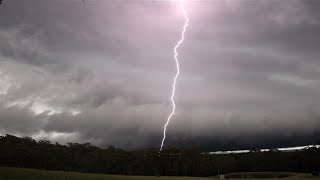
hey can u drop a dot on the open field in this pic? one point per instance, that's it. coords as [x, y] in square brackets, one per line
[263, 175]
[33, 174]
[268, 176]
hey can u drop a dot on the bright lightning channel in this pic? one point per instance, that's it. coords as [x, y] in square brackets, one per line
[177, 74]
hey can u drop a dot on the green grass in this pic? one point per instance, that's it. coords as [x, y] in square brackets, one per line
[34, 174]
[261, 175]
[268, 176]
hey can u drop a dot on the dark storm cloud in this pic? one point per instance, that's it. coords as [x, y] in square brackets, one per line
[18, 120]
[102, 72]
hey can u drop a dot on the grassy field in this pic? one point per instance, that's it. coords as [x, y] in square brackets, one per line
[263, 175]
[33, 174]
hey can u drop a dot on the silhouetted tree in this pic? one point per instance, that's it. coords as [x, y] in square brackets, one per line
[26, 152]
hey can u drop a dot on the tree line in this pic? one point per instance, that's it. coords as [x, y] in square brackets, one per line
[27, 153]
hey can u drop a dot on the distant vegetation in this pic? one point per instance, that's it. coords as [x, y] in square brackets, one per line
[27, 153]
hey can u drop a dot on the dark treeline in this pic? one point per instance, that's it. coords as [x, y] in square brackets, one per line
[28, 153]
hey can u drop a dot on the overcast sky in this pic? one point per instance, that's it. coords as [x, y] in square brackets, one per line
[102, 72]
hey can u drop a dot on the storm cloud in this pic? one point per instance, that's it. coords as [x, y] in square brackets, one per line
[102, 72]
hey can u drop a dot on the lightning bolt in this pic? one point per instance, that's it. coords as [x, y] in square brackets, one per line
[177, 74]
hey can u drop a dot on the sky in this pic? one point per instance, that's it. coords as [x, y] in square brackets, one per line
[101, 72]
